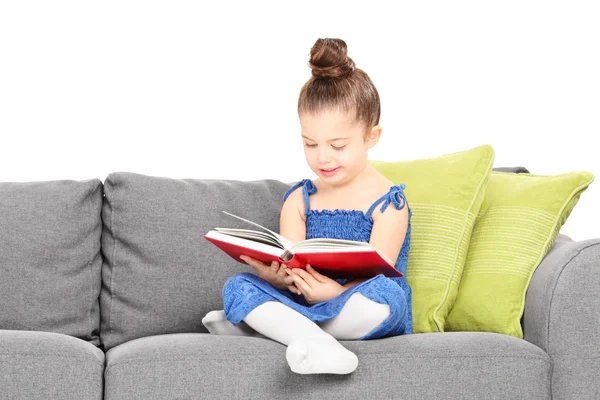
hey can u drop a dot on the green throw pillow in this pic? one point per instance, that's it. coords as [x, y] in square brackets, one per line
[444, 194]
[517, 225]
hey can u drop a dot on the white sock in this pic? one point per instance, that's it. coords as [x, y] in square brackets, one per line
[216, 322]
[359, 316]
[310, 349]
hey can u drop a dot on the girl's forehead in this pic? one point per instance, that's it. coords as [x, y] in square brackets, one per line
[329, 123]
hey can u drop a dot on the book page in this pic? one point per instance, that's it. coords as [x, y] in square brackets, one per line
[329, 249]
[251, 235]
[285, 242]
[328, 245]
[245, 243]
[331, 242]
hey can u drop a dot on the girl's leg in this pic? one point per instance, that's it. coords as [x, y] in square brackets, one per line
[217, 324]
[310, 349]
[359, 316]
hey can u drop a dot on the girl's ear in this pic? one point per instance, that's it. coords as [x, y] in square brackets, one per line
[373, 136]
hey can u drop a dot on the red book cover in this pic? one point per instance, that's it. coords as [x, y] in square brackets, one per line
[335, 264]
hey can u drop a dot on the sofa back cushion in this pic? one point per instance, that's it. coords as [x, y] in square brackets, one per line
[160, 275]
[50, 257]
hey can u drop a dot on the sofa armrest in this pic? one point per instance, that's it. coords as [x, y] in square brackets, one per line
[562, 316]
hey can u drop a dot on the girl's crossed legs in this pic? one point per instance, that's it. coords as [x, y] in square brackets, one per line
[312, 348]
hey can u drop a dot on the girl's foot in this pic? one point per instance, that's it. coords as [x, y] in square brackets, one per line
[321, 355]
[217, 324]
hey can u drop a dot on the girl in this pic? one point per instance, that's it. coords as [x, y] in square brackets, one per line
[339, 113]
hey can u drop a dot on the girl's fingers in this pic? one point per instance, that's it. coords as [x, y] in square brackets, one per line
[306, 277]
[282, 270]
[288, 280]
[300, 283]
[294, 289]
[249, 261]
[274, 267]
[318, 277]
[259, 266]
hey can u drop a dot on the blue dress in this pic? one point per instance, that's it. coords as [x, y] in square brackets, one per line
[245, 291]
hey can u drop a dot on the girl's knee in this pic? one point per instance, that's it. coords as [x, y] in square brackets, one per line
[237, 283]
[238, 278]
[368, 308]
[359, 316]
[398, 303]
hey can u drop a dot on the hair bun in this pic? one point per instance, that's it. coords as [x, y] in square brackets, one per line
[329, 59]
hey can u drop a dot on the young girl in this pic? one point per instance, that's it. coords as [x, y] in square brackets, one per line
[339, 113]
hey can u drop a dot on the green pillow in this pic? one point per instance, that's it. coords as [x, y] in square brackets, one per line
[444, 194]
[519, 220]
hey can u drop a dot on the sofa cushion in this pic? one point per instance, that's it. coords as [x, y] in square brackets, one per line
[160, 275]
[518, 223]
[50, 257]
[445, 194]
[424, 366]
[45, 365]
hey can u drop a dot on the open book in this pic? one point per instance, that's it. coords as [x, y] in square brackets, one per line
[334, 258]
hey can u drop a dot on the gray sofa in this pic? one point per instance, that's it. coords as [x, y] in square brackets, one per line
[103, 287]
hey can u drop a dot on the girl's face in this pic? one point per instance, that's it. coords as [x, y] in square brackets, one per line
[335, 148]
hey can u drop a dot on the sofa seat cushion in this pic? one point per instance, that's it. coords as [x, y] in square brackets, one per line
[466, 365]
[46, 365]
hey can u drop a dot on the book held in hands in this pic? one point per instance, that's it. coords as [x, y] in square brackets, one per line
[334, 258]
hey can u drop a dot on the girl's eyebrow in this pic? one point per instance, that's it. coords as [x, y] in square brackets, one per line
[330, 140]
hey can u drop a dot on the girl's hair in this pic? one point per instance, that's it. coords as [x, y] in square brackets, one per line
[337, 85]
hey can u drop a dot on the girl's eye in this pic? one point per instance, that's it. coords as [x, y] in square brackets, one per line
[334, 147]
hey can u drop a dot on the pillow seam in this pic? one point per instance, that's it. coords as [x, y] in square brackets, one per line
[469, 210]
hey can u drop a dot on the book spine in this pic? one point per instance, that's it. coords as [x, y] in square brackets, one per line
[294, 263]
[286, 256]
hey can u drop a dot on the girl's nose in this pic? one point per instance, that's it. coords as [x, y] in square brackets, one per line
[323, 155]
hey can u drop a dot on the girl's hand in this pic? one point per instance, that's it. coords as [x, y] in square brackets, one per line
[315, 287]
[274, 274]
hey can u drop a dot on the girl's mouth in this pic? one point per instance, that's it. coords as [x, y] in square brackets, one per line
[329, 171]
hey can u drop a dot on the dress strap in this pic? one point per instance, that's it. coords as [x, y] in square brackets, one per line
[308, 188]
[395, 196]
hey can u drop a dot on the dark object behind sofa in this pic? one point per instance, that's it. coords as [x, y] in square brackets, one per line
[516, 170]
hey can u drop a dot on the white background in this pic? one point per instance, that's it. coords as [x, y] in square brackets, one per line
[191, 89]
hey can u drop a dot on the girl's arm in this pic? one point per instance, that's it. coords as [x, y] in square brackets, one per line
[293, 227]
[389, 231]
[292, 224]
[387, 236]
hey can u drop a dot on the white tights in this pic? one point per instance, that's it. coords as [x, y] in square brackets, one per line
[312, 348]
